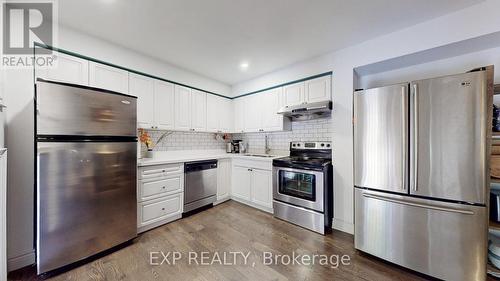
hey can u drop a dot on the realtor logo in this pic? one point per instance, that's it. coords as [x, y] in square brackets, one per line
[24, 23]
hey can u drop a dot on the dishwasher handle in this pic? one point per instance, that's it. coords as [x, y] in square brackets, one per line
[190, 167]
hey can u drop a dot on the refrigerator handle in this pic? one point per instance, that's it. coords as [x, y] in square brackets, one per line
[404, 92]
[419, 205]
[415, 137]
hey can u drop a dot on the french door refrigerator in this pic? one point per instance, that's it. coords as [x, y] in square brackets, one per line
[86, 166]
[421, 174]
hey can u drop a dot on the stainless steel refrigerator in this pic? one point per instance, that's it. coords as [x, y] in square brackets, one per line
[421, 174]
[86, 166]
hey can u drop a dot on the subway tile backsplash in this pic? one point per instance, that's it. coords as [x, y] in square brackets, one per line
[312, 130]
[184, 141]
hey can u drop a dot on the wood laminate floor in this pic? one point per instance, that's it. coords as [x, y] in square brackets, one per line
[231, 227]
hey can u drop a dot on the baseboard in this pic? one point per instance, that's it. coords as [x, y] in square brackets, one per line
[343, 226]
[21, 261]
[250, 204]
[222, 200]
[158, 223]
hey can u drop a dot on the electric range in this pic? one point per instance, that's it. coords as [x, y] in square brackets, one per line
[303, 186]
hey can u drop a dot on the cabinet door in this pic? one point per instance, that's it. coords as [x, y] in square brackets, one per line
[164, 107]
[142, 87]
[198, 111]
[262, 188]
[318, 89]
[69, 69]
[182, 108]
[214, 110]
[272, 102]
[294, 94]
[107, 77]
[253, 113]
[223, 179]
[241, 183]
[226, 115]
[239, 115]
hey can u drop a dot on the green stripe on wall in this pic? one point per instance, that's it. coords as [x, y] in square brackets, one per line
[41, 45]
[286, 84]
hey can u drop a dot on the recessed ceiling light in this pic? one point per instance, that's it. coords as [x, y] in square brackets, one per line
[244, 65]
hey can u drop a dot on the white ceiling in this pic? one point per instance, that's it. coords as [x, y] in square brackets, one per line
[213, 37]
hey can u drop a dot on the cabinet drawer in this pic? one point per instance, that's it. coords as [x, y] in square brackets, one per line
[160, 209]
[263, 165]
[153, 189]
[161, 171]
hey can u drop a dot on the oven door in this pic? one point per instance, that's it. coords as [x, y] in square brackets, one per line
[302, 188]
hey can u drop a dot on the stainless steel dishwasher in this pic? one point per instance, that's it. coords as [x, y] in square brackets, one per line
[200, 184]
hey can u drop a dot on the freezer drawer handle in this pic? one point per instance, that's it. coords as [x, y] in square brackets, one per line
[425, 206]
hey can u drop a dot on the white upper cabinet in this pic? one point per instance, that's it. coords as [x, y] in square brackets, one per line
[271, 104]
[226, 115]
[259, 112]
[143, 88]
[213, 111]
[164, 105]
[155, 102]
[253, 112]
[219, 114]
[318, 89]
[294, 94]
[198, 111]
[239, 115]
[68, 69]
[182, 108]
[107, 77]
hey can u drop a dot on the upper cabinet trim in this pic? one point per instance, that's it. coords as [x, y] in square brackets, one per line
[286, 84]
[41, 45]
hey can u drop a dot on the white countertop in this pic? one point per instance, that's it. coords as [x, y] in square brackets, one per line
[179, 156]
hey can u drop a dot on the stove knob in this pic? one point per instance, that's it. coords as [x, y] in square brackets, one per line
[293, 145]
[328, 145]
[298, 144]
[322, 144]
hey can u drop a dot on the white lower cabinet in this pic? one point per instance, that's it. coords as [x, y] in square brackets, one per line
[159, 211]
[261, 188]
[252, 183]
[223, 180]
[241, 183]
[160, 195]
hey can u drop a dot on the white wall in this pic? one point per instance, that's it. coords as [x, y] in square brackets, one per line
[478, 20]
[458, 64]
[18, 94]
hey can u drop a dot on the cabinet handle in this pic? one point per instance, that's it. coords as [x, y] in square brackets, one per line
[163, 171]
[163, 209]
[163, 187]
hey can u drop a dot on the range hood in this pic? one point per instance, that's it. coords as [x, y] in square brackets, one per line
[307, 111]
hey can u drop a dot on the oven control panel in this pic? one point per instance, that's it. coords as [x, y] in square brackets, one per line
[310, 145]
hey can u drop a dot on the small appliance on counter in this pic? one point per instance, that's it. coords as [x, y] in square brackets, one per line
[236, 146]
[303, 186]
